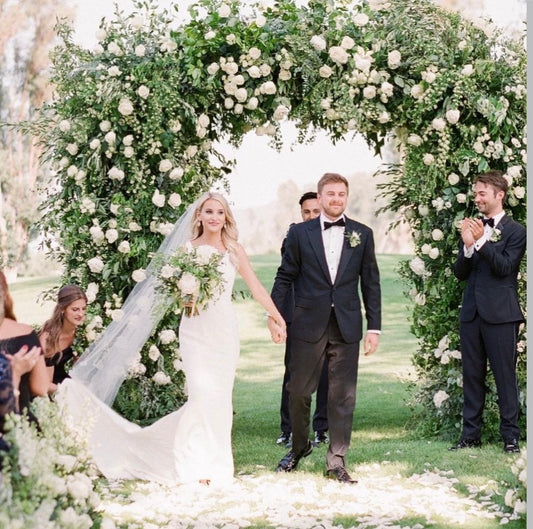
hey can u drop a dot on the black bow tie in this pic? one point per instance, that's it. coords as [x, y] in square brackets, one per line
[339, 222]
[490, 222]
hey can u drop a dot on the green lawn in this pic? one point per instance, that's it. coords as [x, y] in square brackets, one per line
[380, 439]
[379, 429]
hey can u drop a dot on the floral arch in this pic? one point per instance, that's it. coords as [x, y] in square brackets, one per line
[132, 135]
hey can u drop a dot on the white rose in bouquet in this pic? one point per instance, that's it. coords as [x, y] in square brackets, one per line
[161, 379]
[204, 254]
[188, 284]
[167, 271]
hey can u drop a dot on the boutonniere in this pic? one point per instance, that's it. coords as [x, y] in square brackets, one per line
[354, 238]
[496, 235]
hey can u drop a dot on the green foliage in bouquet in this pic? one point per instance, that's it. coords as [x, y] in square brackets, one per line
[133, 136]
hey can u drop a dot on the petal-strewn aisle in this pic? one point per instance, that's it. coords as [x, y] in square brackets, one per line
[382, 498]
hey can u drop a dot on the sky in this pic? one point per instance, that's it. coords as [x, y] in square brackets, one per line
[260, 170]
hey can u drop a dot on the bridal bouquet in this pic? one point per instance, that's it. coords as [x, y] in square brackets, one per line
[192, 276]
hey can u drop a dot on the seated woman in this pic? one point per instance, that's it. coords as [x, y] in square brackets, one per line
[17, 340]
[58, 333]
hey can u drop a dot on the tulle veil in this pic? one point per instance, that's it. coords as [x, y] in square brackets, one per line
[104, 365]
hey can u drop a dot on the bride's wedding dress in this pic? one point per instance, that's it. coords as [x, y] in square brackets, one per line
[192, 443]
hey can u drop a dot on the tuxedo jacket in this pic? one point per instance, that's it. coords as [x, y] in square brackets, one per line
[491, 276]
[304, 267]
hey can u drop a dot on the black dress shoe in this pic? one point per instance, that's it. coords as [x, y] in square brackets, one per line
[466, 443]
[341, 475]
[511, 446]
[291, 459]
[321, 438]
[284, 439]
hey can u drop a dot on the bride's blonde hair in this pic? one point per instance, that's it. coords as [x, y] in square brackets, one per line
[229, 233]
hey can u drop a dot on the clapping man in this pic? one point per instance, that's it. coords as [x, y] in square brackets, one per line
[489, 258]
[309, 209]
[328, 260]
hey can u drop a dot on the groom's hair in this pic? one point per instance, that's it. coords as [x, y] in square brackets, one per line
[495, 179]
[331, 178]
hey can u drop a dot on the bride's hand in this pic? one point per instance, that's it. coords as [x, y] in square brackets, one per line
[278, 331]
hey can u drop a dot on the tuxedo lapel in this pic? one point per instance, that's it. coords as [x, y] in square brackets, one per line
[314, 232]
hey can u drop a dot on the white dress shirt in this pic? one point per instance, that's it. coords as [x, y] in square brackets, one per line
[333, 239]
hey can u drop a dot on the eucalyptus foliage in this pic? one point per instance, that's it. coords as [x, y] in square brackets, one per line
[134, 129]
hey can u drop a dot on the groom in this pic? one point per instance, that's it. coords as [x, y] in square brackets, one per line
[327, 260]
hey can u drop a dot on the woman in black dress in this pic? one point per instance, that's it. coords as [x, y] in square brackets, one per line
[58, 333]
[18, 340]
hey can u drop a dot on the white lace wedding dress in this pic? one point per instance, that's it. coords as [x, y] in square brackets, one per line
[192, 443]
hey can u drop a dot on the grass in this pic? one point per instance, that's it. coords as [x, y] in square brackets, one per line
[380, 437]
[380, 431]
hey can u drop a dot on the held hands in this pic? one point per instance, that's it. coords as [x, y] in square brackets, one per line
[277, 328]
[471, 231]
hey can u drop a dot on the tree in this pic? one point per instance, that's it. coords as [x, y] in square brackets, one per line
[26, 40]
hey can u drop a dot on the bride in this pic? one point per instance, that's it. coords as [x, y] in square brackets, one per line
[192, 444]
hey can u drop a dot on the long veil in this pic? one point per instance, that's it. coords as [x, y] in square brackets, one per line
[104, 365]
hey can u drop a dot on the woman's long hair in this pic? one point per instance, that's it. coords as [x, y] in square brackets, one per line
[8, 300]
[66, 295]
[229, 232]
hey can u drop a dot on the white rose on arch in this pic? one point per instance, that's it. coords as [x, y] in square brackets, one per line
[360, 20]
[318, 43]
[437, 235]
[174, 200]
[96, 265]
[338, 55]
[325, 71]
[281, 112]
[452, 116]
[158, 199]
[433, 253]
[138, 275]
[438, 124]
[394, 59]
[124, 247]
[453, 179]
[125, 106]
[418, 266]
[165, 165]
[428, 159]
[224, 10]
[347, 43]
[143, 91]
[176, 173]
[268, 88]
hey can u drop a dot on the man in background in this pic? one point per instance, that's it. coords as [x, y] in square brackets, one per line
[489, 258]
[309, 209]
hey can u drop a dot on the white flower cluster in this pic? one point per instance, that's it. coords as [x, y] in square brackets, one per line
[443, 352]
[54, 471]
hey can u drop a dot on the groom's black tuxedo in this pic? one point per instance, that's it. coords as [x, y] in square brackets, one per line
[327, 324]
[489, 319]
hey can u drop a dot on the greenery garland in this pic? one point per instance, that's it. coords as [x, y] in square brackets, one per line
[133, 131]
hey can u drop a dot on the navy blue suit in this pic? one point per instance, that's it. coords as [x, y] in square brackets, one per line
[327, 326]
[489, 318]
